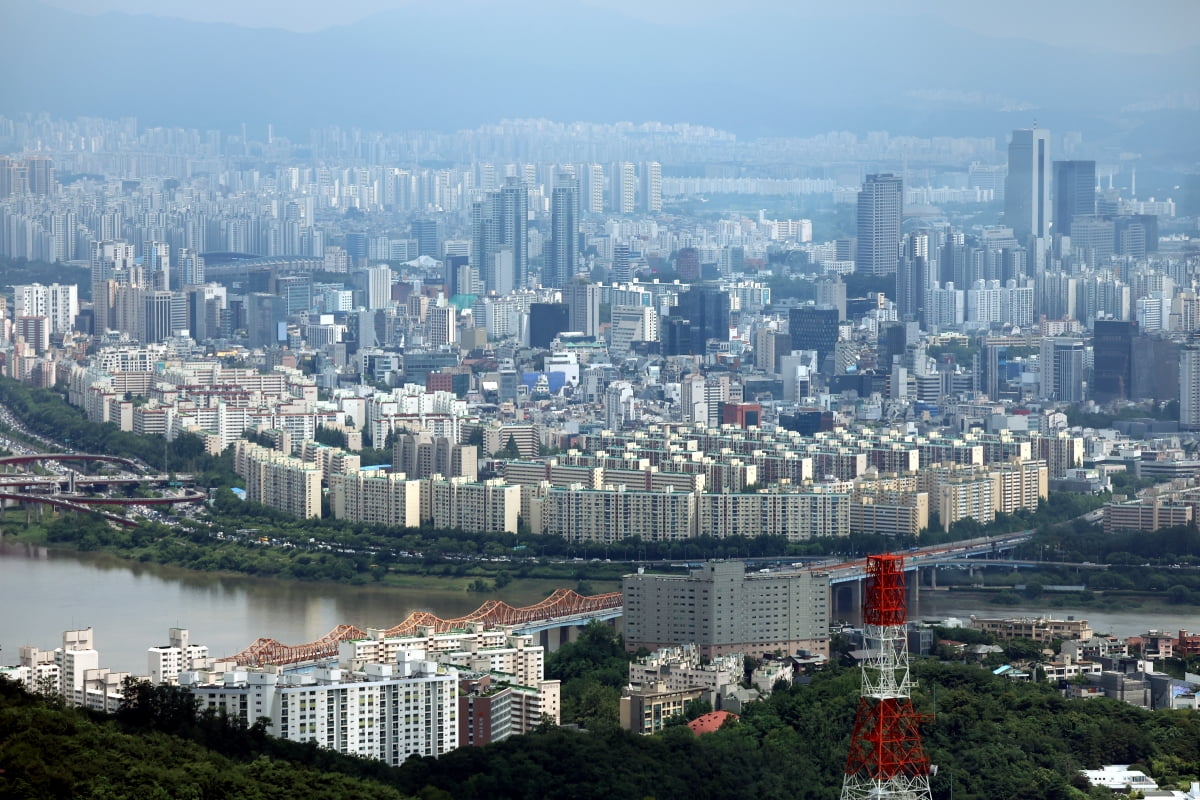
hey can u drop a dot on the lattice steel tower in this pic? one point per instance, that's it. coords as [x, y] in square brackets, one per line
[886, 759]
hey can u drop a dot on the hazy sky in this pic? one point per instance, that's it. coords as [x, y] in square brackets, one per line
[1150, 26]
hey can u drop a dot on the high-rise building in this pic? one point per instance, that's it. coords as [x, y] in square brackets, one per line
[714, 607]
[563, 255]
[583, 303]
[443, 328]
[514, 230]
[912, 277]
[592, 189]
[1027, 188]
[113, 266]
[687, 263]
[191, 268]
[547, 321]
[813, 328]
[702, 314]
[880, 205]
[1112, 353]
[425, 231]
[156, 264]
[652, 187]
[40, 172]
[1074, 192]
[156, 317]
[1189, 386]
[57, 303]
[623, 188]
[621, 269]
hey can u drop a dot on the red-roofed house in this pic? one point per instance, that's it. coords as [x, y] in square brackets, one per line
[707, 723]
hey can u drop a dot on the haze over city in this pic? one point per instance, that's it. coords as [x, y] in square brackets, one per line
[479, 400]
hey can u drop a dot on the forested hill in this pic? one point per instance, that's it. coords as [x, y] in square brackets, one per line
[47, 751]
[990, 739]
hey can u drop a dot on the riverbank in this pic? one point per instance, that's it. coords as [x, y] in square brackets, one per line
[202, 549]
[1002, 599]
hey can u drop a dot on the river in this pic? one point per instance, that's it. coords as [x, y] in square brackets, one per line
[130, 606]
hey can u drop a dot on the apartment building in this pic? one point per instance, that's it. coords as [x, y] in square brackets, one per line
[384, 711]
[377, 498]
[1039, 629]
[475, 507]
[166, 661]
[277, 480]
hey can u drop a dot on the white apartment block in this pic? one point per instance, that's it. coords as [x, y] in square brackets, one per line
[385, 711]
[57, 303]
[796, 516]
[613, 514]
[475, 648]
[278, 480]
[487, 506]
[166, 661]
[377, 498]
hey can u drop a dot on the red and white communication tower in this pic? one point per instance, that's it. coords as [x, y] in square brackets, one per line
[886, 759]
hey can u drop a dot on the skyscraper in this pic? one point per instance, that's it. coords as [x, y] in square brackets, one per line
[1074, 192]
[156, 264]
[1027, 188]
[814, 329]
[623, 187]
[191, 268]
[652, 187]
[880, 204]
[499, 237]
[583, 301]
[560, 261]
[425, 231]
[1112, 348]
[912, 277]
[1189, 387]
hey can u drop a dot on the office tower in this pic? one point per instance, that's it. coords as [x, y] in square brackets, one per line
[546, 322]
[459, 275]
[912, 277]
[514, 229]
[1092, 239]
[155, 322]
[622, 272]
[499, 238]
[652, 187]
[425, 231]
[687, 264]
[1074, 192]
[266, 319]
[1112, 354]
[563, 255]
[880, 205]
[39, 171]
[443, 327]
[813, 328]
[204, 304]
[583, 301]
[296, 292]
[701, 315]
[376, 286]
[1027, 189]
[156, 264]
[191, 268]
[831, 291]
[1061, 364]
[1189, 386]
[623, 188]
[357, 248]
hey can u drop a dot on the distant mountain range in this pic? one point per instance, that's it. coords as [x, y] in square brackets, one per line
[460, 63]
